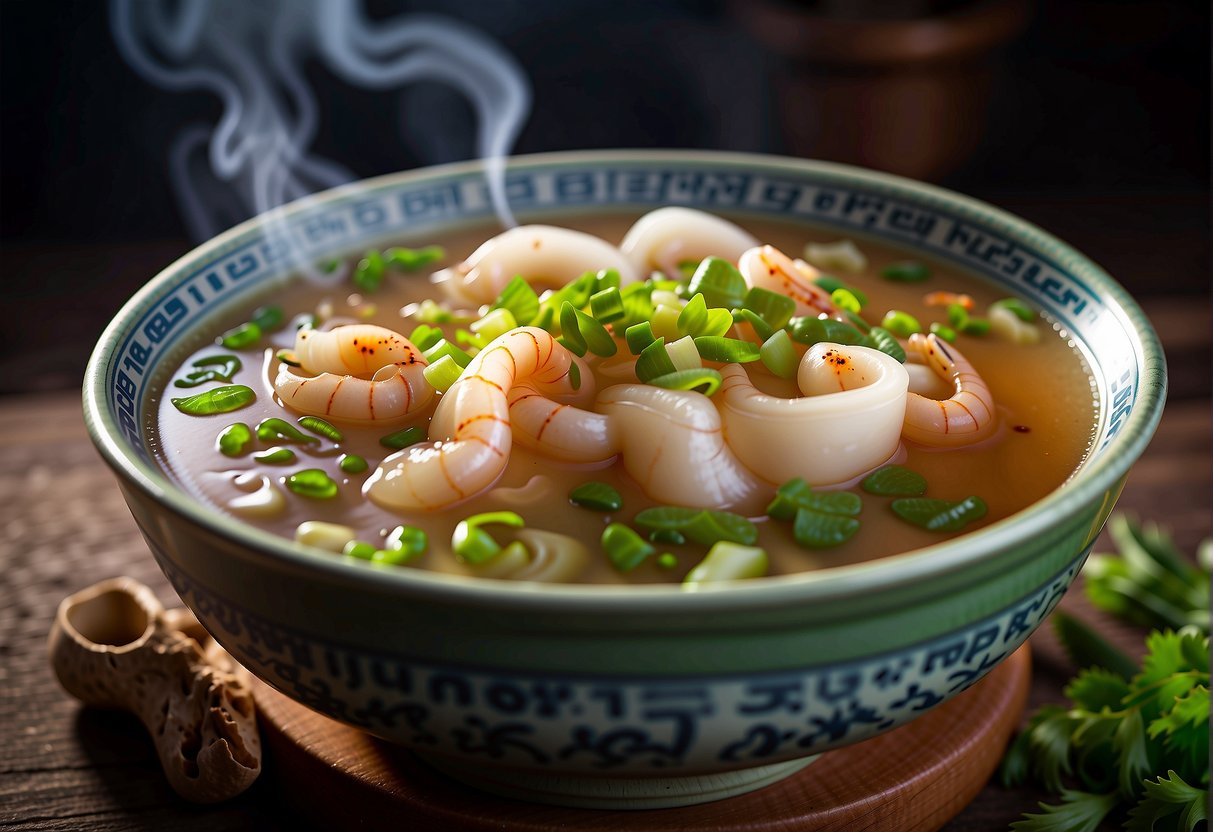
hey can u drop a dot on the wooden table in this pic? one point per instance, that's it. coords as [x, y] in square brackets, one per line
[66, 526]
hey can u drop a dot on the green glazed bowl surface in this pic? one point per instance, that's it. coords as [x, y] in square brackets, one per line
[548, 692]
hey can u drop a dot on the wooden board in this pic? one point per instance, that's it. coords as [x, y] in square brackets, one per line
[912, 779]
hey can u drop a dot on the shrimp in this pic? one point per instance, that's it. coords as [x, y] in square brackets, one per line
[967, 417]
[541, 254]
[555, 427]
[361, 373]
[673, 446]
[470, 433]
[668, 236]
[769, 268]
[848, 422]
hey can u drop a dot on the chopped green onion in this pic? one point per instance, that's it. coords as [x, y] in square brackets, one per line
[665, 321]
[857, 321]
[829, 283]
[409, 540]
[720, 283]
[274, 429]
[639, 336]
[368, 274]
[577, 292]
[727, 561]
[442, 373]
[603, 280]
[352, 463]
[579, 332]
[796, 494]
[410, 259]
[359, 549]
[894, 480]
[939, 515]
[809, 330]
[779, 355]
[908, 271]
[702, 380]
[976, 326]
[727, 350]
[818, 530]
[843, 299]
[574, 375]
[403, 438]
[219, 400]
[519, 298]
[686, 268]
[329, 266]
[470, 339]
[430, 311]
[393, 557]
[1016, 307]
[884, 341]
[761, 328]
[901, 324]
[318, 426]
[268, 318]
[276, 456]
[666, 560]
[625, 549]
[473, 544]
[288, 358]
[700, 525]
[945, 332]
[495, 324]
[654, 361]
[234, 439]
[671, 536]
[637, 304]
[774, 308]
[241, 337]
[211, 368]
[958, 316]
[607, 306]
[694, 316]
[313, 483]
[597, 496]
[684, 354]
[425, 336]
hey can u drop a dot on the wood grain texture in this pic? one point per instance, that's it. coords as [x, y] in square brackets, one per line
[65, 526]
[913, 779]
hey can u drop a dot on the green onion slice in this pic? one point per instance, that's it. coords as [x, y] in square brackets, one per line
[597, 496]
[425, 336]
[727, 350]
[694, 316]
[368, 274]
[211, 368]
[774, 308]
[796, 494]
[727, 561]
[519, 298]
[268, 318]
[779, 355]
[700, 525]
[901, 324]
[274, 429]
[473, 544]
[241, 337]
[403, 438]
[234, 439]
[219, 400]
[884, 341]
[720, 283]
[409, 540]
[945, 332]
[411, 259]
[654, 362]
[808, 330]
[444, 347]
[607, 306]
[761, 328]
[276, 456]
[352, 464]
[908, 271]
[939, 515]
[819, 530]
[625, 549]
[639, 336]
[1016, 307]
[702, 380]
[313, 483]
[322, 428]
[829, 283]
[894, 480]
[442, 373]
[845, 300]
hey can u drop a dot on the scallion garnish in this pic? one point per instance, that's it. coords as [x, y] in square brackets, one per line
[442, 373]
[579, 332]
[234, 439]
[607, 306]
[779, 355]
[474, 545]
[268, 318]
[313, 483]
[945, 332]
[240, 337]
[702, 380]
[219, 400]
[520, 299]
[720, 283]
[901, 324]
[368, 274]
[700, 525]
[830, 284]
[908, 271]
[894, 480]
[493, 325]
[322, 428]
[761, 328]
[352, 463]
[276, 456]
[625, 549]
[654, 361]
[359, 549]
[403, 438]
[774, 308]
[637, 304]
[425, 336]
[669, 536]
[596, 496]
[409, 541]
[727, 350]
[939, 515]
[666, 560]
[696, 319]
[274, 429]
[809, 330]
[639, 336]
[845, 300]
[884, 341]
[411, 259]
[1017, 308]
[211, 368]
[819, 530]
[288, 358]
[796, 494]
[727, 561]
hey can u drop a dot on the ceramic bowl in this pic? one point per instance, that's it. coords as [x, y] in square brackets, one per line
[626, 696]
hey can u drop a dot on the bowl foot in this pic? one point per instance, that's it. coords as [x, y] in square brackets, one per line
[619, 793]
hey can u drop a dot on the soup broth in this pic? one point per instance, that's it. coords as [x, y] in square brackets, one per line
[1042, 392]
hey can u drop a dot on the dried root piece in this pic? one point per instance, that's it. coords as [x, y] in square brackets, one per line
[114, 646]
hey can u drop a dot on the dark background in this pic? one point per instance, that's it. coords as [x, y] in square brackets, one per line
[1091, 108]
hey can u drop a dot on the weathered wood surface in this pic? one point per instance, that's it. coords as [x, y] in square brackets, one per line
[65, 526]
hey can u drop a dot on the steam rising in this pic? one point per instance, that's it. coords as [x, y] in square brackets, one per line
[251, 55]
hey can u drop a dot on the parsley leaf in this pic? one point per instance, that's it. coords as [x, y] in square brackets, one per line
[1078, 812]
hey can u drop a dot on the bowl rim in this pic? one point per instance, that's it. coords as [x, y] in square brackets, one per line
[911, 567]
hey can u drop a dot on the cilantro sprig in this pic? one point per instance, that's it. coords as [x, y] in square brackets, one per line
[1134, 743]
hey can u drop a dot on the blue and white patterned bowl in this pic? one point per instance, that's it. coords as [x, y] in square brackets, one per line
[626, 696]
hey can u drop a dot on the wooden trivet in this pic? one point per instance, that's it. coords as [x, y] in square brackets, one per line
[912, 779]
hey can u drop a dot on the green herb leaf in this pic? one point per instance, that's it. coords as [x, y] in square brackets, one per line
[520, 299]
[939, 515]
[241, 337]
[773, 308]
[816, 530]
[1087, 648]
[815, 330]
[210, 368]
[219, 400]
[411, 259]
[700, 525]
[727, 350]
[625, 549]
[234, 439]
[1165, 796]
[322, 428]
[884, 341]
[1079, 812]
[796, 494]
[313, 483]
[908, 271]
[597, 496]
[274, 429]
[894, 480]
[403, 438]
[720, 283]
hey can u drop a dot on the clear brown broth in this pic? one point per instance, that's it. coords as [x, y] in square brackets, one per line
[1043, 392]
